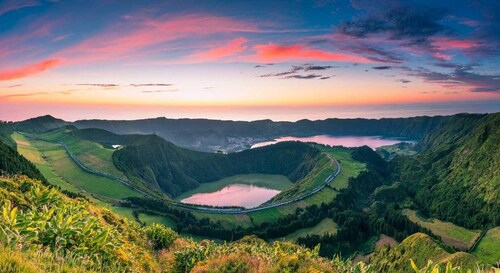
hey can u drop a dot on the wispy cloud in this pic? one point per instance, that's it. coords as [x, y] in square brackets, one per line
[160, 91]
[12, 86]
[232, 47]
[29, 70]
[304, 77]
[403, 81]
[10, 5]
[462, 76]
[287, 53]
[384, 67]
[150, 84]
[294, 69]
[104, 85]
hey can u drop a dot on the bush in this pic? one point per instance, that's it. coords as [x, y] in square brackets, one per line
[160, 236]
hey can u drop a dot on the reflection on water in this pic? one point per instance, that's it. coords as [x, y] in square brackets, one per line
[247, 196]
[346, 141]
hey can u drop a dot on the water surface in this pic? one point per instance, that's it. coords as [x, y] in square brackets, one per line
[248, 196]
[346, 141]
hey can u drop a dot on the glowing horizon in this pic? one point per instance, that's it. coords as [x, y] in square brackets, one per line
[235, 57]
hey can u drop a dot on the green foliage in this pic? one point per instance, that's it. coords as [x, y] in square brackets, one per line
[430, 267]
[456, 176]
[160, 236]
[43, 224]
[419, 249]
[62, 227]
[13, 163]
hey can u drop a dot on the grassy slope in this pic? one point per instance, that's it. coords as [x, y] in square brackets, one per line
[114, 244]
[350, 168]
[60, 169]
[31, 153]
[451, 234]
[456, 177]
[488, 248]
[149, 219]
[326, 226]
[277, 182]
[421, 248]
[92, 154]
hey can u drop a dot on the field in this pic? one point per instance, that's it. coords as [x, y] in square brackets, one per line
[148, 219]
[390, 151]
[276, 182]
[488, 248]
[326, 226]
[54, 163]
[451, 234]
[124, 212]
[31, 153]
[92, 154]
[227, 220]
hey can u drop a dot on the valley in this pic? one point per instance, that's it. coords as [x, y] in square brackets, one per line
[316, 198]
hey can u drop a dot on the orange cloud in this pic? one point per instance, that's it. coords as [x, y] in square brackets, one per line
[29, 70]
[274, 52]
[233, 47]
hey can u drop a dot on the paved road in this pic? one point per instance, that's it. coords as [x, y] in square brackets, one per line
[327, 181]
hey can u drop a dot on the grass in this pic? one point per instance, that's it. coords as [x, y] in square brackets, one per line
[59, 169]
[227, 220]
[350, 167]
[149, 218]
[390, 151]
[276, 182]
[488, 248]
[326, 226]
[450, 233]
[124, 212]
[90, 153]
[31, 153]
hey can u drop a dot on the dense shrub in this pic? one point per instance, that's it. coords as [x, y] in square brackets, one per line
[160, 236]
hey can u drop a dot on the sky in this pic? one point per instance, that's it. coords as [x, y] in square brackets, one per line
[247, 60]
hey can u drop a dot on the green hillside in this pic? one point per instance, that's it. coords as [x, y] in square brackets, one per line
[12, 163]
[174, 170]
[421, 249]
[44, 231]
[456, 176]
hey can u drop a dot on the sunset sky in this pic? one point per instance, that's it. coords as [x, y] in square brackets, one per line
[246, 59]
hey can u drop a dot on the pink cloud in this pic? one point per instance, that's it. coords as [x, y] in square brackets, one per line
[274, 53]
[29, 70]
[442, 56]
[138, 38]
[447, 44]
[231, 48]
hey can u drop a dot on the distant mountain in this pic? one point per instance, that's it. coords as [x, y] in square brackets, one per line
[39, 124]
[456, 176]
[212, 135]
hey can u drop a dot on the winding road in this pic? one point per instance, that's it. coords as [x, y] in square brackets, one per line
[327, 181]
